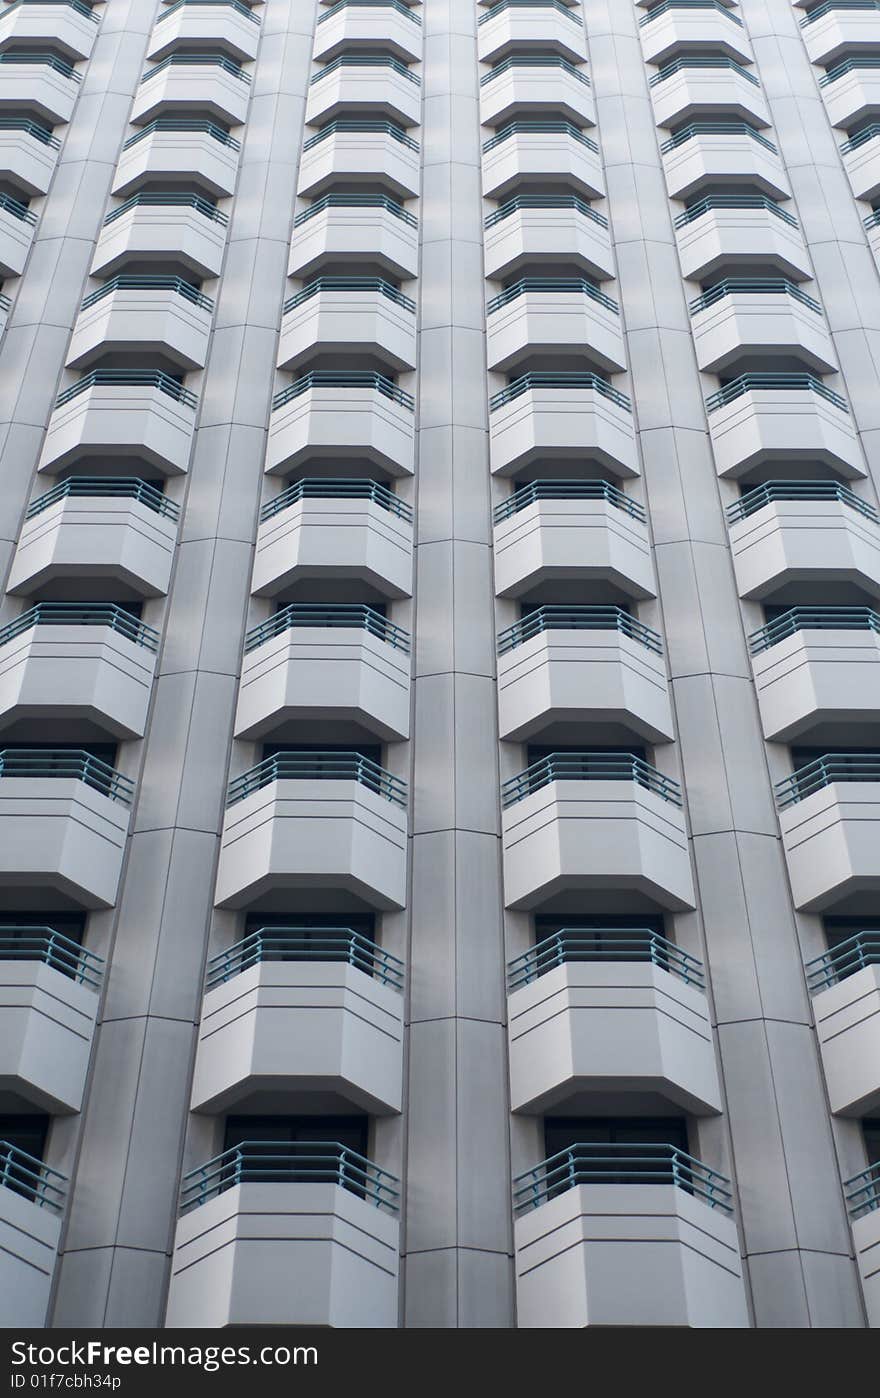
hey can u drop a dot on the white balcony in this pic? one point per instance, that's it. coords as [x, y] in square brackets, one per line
[781, 424]
[594, 539]
[866, 1237]
[203, 27]
[817, 673]
[348, 233]
[363, 90]
[748, 320]
[862, 165]
[564, 232]
[359, 157]
[694, 92]
[179, 86]
[65, 28]
[873, 227]
[725, 158]
[847, 1016]
[841, 32]
[738, 238]
[47, 1021]
[30, 1230]
[322, 420]
[854, 95]
[16, 233]
[533, 90]
[702, 31]
[325, 537]
[171, 318]
[527, 156]
[543, 422]
[48, 89]
[28, 159]
[179, 156]
[531, 28]
[830, 840]
[184, 229]
[358, 672]
[806, 540]
[285, 1254]
[338, 314]
[369, 27]
[141, 420]
[534, 317]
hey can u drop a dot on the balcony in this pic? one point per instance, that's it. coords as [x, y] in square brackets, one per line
[531, 84]
[550, 227]
[738, 231]
[315, 1244]
[304, 1010]
[32, 1198]
[814, 663]
[28, 153]
[354, 150]
[831, 31]
[5, 308]
[609, 1010]
[179, 149]
[765, 418]
[553, 530]
[572, 664]
[63, 822]
[845, 985]
[50, 1004]
[84, 660]
[153, 227]
[225, 23]
[667, 30]
[691, 87]
[366, 84]
[154, 314]
[340, 314]
[543, 416]
[863, 1200]
[828, 812]
[582, 821]
[69, 26]
[142, 413]
[540, 315]
[118, 528]
[872, 224]
[598, 1245]
[353, 413]
[755, 315]
[851, 89]
[327, 661]
[17, 225]
[313, 820]
[345, 27]
[538, 151]
[39, 82]
[707, 152]
[350, 227]
[543, 24]
[197, 82]
[334, 528]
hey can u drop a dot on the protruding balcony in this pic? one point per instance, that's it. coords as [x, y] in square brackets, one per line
[526, 84]
[117, 528]
[315, 820]
[88, 660]
[155, 314]
[392, 27]
[334, 527]
[570, 664]
[348, 227]
[667, 30]
[541, 314]
[32, 1198]
[707, 152]
[861, 158]
[694, 86]
[766, 417]
[845, 985]
[831, 31]
[17, 225]
[41, 82]
[322, 661]
[863, 1201]
[342, 413]
[368, 84]
[153, 227]
[356, 150]
[295, 1234]
[542, 416]
[28, 153]
[817, 663]
[759, 315]
[339, 314]
[740, 230]
[618, 1010]
[598, 1243]
[68, 25]
[179, 149]
[512, 25]
[552, 530]
[143, 413]
[560, 227]
[829, 812]
[306, 1010]
[63, 822]
[50, 1004]
[226, 24]
[803, 531]
[5, 308]
[586, 820]
[851, 89]
[531, 150]
[198, 82]
[872, 224]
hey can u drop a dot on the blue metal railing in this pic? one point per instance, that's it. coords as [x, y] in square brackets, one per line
[854, 954]
[572, 944]
[534, 60]
[32, 128]
[813, 619]
[524, 126]
[47, 59]
[589, 766]
[568, 490]
[318, 766]
[63, 763]
[716, 128]
[356, 201]
[378, 284]
[150, 282]
[773, 383]
[344, 378]
[366, 60]
[128, 487]
[359, 126]
[867, 133]
[863, 1191]
[631, 1163]
[370, 4]
[734, 201]
[290, 1162]
[337, 488]
[765, 494]
[17, 208]
[552, 286]
[195, 124]
[76, 5]
[872, 220]
[752, 286]
[235, 5]
[543, 201]
[853, 64]
[305, 944]
[198, 60]
[666, 5]
[25, 1174]
[567, 380]
[823, 771]
[328, 615]
[25, 943]
[82, 614]
[529, 5]
[146, 199]
[834, 5]
[577, 618]
[696, 61]
[150, 378]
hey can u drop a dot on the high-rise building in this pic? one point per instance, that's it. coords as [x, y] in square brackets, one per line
[439, 744]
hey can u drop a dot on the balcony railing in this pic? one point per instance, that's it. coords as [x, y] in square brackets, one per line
[523, 126]
[528, 5]
[813, 619]
[317, 766]
[290, 1162]
[603, 944]
[306, 944]
[369, 4]
[26, 1175]
[337, 488]
[568, 490]
[863, 1191]
[366, 60]
[872, 220]
[16, 208]
[150, 282]
[734, 201]
[327, 615]
[194, 124]
[833, 6]
[773, 383]
[235, 5]
[534, 60]
[344, 378]
[552, 286]
[668, 5]
[380, 126]
[49, 60]
[577, 618]
[716, 128]
[76, 5]
[31, 128]
[64, 763]
[151, 378]
[849, 65]
[590, 767]
[169, 199]
[752, 286]
[695, 61]
[845, 959]
[566, 380]
[771, 491]
[867, 133]
[24, 943]
[378, 284]
[543, 201]
[125, 487]
[356, 201]
[824, 771]
[198, 60]
[619, 1163]
[83, 614]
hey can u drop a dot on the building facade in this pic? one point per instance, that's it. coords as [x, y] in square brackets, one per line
[439, 749]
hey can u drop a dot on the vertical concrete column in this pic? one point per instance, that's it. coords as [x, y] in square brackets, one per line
[113, 1271]
[458, 1233]
[794, 1230]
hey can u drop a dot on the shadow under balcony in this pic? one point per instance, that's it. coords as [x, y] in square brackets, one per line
[762, 418]
[816, 664]
[845, 985]
[339, 413]
[829, 813]
[547, 416]
[32, 1200]
[142, 413]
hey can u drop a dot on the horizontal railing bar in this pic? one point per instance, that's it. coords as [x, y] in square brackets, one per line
[534, 60]
[61, 763]
[151, 378]
[48, 59]
[862, 1191]
[43, 134]
[328, 615]
[337, 488]
[670, 5]
[318, 766]
[845, 959]
[752, 286]
[734, 201]
[198, 60]
[568, 490]
[366, 60]
[716, 128]
[371, 5]
[236, 5]
[347, 378]
[294, 1162]
[30, 1177]
[770, 491]
[620, 1163]
[305, 944]
[196, 124]
[813, 619]
[567, 380]
[552, 286]
[356, 201]
[544, 201]
[360, 126]
[31, 943]
[503, 5]
[110, 486]
[145, 198]
[768, 382]
[701, 61]
[377, 284]
[589, 766]
[577, 618]
[824, 771]
[573, 944]
[82, 614]
[150, 282]
[539, 127]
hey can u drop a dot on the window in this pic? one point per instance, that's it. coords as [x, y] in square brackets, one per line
[21, 1133]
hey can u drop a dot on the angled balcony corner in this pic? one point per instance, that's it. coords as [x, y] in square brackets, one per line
[815, 664]
[562, 227]
[175, 148]
[862, 1194]
[143, 413]
[232, 26]
[159, 314]
[392, 27]
[739, 230]
[845, 986]
[32, 1200]
[338, 227]
[156, 227]
[781, 417]
[338, 413]
[552, 415]
[828, 813]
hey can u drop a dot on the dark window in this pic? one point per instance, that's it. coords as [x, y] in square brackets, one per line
[871, 1130]
[537, 752]
[371, 751]
[22, 1133]
[24, 936]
